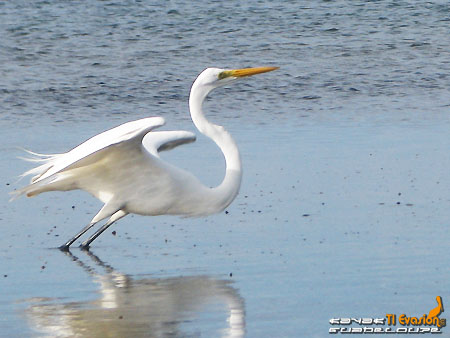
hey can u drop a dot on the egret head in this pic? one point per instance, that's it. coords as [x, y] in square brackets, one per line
[216, 77]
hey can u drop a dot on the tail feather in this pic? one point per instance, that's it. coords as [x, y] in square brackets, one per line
[36, 187]
[47, 161]
[38, 171]
[38, 157]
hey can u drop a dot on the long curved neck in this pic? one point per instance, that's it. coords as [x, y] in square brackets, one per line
[224, 194]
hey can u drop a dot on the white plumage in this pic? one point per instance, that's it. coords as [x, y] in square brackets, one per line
[122, 167]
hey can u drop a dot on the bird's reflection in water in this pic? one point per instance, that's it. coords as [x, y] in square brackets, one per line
[151, 307]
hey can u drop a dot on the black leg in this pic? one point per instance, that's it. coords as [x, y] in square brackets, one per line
[86, 243]
[65, 246]
[119, 214]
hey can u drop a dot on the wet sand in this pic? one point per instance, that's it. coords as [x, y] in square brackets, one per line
[333, 220]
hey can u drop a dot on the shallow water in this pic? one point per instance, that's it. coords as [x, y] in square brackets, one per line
[343, 211]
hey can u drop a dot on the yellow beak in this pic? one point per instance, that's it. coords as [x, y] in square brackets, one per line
[245, 72]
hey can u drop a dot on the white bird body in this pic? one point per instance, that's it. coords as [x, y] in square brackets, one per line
[122, 168]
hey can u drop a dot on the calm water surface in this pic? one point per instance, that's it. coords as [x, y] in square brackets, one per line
[344, 206]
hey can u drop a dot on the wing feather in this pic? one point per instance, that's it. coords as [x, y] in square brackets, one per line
[165, 140]
[125, 132]
[86, 153]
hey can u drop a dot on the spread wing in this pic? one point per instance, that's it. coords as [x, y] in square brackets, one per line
[165, 140]
[94, 150]
[125, 132]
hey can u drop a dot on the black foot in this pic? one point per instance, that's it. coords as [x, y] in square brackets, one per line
[65, 248]
[84, 247]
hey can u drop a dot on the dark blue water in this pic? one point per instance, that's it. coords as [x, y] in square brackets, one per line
[344, 206]
[87, 60]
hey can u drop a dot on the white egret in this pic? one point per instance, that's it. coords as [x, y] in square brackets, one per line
[122, 168]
